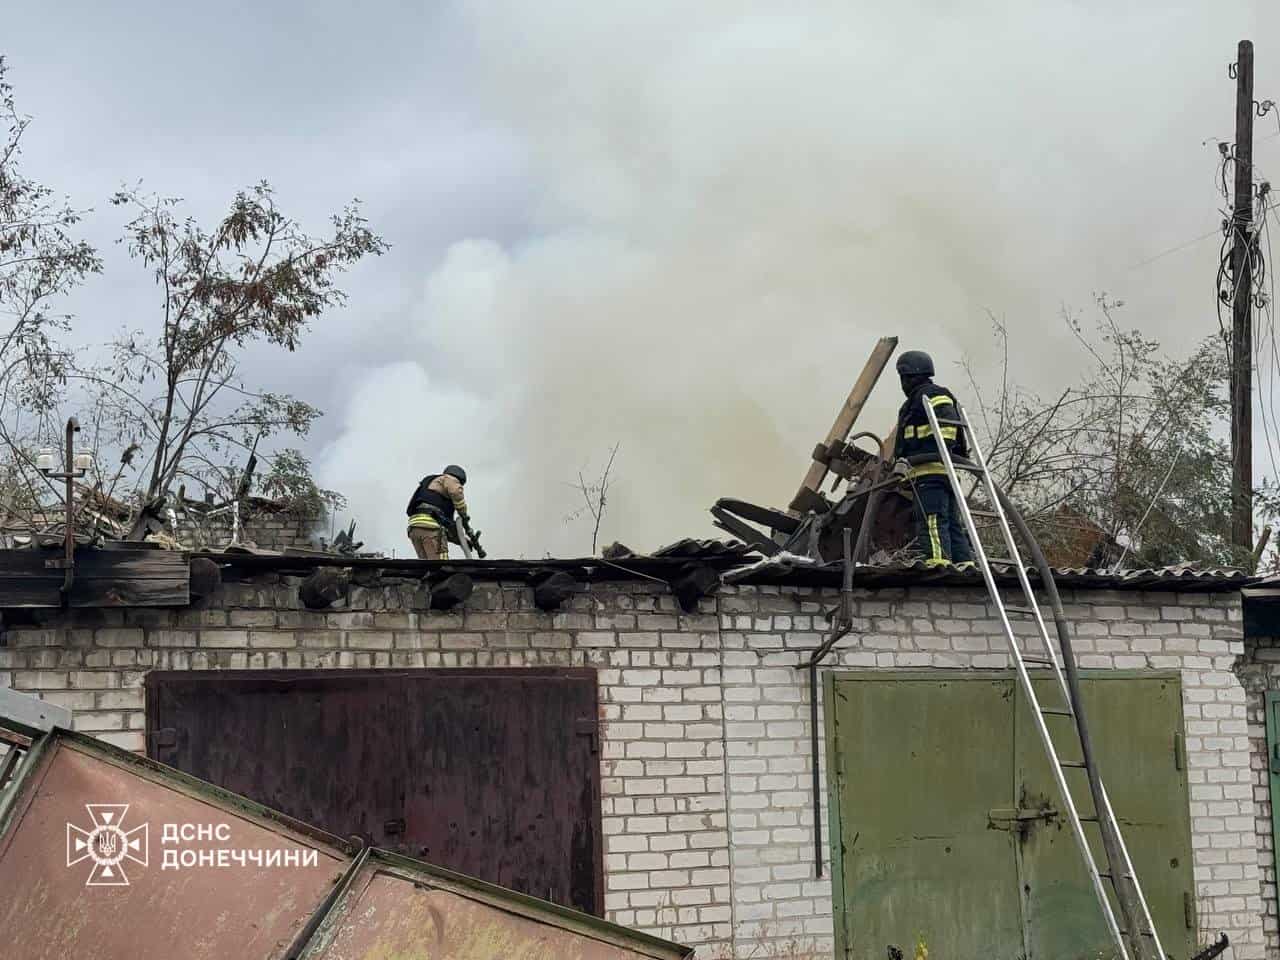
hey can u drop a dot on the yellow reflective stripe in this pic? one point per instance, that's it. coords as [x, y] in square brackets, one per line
[909, 432]
[460, 506]
[934, 543]
[927, 470]
[425, 520]
[920, 432]
[939, 401]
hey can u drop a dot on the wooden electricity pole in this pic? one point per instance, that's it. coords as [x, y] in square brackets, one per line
[1242, 309]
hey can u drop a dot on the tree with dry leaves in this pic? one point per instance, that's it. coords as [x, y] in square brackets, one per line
[1130, 458]
[41, 260]
[173, 395]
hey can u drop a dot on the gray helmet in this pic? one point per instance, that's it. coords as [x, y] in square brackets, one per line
[915, 363]
[455, 471]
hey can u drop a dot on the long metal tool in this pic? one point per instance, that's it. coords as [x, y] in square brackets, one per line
[1134, 934]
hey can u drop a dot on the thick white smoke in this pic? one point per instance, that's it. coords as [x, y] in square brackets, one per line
[737, 199]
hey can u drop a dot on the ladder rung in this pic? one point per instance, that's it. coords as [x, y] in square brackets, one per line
[1123, 876]
[1004, 560]
[1075, 764]
[985, 514]
[1055, 712]
[943, 421]
[1041, 660]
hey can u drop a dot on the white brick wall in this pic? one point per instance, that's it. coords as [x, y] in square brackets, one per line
[766, 631]
[706, 776]
[1259, 673]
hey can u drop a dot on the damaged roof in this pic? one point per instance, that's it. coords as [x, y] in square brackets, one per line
[737, 563]
[785, 571]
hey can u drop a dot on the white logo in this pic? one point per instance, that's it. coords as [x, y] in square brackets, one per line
[108, 844]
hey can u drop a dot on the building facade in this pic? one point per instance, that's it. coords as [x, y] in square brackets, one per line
[705, 776]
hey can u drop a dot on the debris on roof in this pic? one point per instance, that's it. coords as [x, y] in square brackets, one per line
[686, 549]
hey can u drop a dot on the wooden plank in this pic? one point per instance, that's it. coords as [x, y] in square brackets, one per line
[130, 593]
[103, 578]
[857, 398]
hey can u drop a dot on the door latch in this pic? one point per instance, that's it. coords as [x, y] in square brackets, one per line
[1003, 818]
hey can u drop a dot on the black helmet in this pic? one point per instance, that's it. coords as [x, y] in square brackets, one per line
[915, 363]
[455, 471]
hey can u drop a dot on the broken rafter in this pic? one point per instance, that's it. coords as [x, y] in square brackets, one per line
[862, 387]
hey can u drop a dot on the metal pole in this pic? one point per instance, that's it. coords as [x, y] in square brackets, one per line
[817, 779]
[69, 471]
[1242, 309]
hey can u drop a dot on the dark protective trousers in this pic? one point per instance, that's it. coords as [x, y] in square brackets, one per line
[940, 533]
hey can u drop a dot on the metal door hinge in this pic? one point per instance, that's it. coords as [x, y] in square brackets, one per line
[1188, 910]
[1179, 752]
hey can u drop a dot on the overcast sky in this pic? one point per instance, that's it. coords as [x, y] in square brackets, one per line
[675, 227]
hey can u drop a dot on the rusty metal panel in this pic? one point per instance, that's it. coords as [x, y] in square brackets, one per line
[74, 889]
[394, 907]
[490, 772]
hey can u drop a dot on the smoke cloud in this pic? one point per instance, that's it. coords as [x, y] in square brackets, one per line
[735, 200]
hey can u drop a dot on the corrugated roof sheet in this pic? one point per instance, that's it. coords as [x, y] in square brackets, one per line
[917, 574]
[634, 567]
[704, 549]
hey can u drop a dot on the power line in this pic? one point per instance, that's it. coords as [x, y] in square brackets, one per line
[1172, 250]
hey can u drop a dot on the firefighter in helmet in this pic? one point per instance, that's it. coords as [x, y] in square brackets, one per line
[940, 532]
[438, 498]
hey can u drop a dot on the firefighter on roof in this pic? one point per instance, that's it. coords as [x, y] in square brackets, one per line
[432, 509]
[940, 533]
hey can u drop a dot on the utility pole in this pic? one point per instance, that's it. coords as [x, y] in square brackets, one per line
[1242, 308]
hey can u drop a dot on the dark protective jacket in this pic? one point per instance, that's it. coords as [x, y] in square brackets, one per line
[915, 441]
[437, 497]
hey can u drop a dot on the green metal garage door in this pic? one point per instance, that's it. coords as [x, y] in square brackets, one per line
[946, 824]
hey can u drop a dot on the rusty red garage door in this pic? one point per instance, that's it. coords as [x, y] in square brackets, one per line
[490, 772]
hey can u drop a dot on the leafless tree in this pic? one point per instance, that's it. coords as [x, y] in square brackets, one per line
[595, 497]
[1130, 456]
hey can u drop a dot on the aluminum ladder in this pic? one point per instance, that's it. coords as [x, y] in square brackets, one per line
[1133, 933]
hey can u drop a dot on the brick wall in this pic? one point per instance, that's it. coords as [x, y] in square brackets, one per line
[266, 529]
[707, 804]
[1259, 671]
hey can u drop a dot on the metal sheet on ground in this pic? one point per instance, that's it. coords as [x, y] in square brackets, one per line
[413, 911]
[49, 910]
